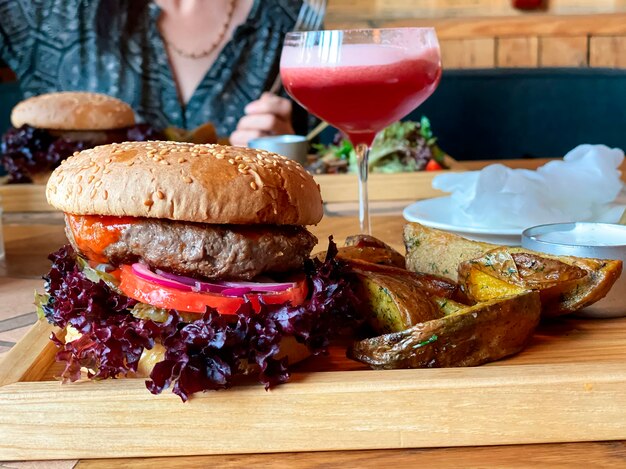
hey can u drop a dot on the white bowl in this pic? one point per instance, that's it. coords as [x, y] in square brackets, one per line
[596, 240]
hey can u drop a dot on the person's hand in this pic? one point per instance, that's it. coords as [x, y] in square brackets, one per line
[269, 115]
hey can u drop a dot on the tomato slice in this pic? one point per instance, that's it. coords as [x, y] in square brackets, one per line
[149, 292]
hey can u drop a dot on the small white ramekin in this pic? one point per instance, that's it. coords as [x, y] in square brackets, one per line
[596, 240]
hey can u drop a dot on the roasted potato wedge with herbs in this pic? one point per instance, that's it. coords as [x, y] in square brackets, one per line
[371, 254]
[392, 298]
[392, 304]
[566, 284]
[432, 285]
[486, 271]
[364, 253]
[469, 336]
[368, 249]
[448, 306]
[437, 252]
[363, 240]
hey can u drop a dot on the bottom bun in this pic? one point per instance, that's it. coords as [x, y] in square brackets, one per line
[289, 347]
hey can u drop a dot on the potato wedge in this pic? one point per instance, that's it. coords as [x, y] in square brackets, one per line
[468, 337]
[483, 287]
[371, 254]
[391, 304]
[503, 271]
[369, 249]
[437, 252]
[448, 306]
[486, 271]
[574, 294]
[363, 240]
[433, 285]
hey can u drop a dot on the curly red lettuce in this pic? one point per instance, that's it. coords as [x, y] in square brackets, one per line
[111, 338]
[205, 354]
[27, 150]
[209, 352]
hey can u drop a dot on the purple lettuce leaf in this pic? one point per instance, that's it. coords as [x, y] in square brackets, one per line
[205, 354]
[27, 150]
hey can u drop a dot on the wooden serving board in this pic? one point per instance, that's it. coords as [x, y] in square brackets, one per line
[568, 385]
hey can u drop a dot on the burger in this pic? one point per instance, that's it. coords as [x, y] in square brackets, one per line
[189, 264]
[50, 127]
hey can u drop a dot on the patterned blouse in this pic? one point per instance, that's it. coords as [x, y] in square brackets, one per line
[53, 45]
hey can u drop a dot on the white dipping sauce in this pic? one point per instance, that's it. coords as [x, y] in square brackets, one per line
[587, 235]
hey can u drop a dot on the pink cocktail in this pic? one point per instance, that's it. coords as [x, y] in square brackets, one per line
[374, 86]
[361, 81]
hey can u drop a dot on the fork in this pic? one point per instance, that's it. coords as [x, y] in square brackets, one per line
[310, 18]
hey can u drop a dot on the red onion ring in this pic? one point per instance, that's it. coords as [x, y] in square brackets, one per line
[230, 288]
[197, 285]
[142, 271]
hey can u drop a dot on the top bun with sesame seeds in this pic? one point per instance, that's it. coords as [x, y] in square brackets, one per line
[73, 110]
[211, 184]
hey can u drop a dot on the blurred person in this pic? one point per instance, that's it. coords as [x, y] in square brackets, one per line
[176, 62]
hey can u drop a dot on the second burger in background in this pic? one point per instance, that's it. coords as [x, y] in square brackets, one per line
[50, 127]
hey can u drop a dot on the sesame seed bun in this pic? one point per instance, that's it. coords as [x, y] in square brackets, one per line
[186, 182]
[73, 111]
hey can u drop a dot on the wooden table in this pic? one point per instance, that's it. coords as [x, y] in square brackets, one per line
[29, 238]
[27, 246]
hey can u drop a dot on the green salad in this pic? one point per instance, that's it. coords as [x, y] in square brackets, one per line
[401, 147]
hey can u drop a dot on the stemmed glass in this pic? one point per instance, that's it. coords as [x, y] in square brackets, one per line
[360, 81]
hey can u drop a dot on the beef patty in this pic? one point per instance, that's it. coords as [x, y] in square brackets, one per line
[213, 251]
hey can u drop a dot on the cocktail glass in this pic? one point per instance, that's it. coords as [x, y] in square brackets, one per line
[360, 81]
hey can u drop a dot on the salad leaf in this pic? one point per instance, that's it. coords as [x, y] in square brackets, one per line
[401, 147]
[408, 145]
[27, 150]
[343, 150]
[201, 352]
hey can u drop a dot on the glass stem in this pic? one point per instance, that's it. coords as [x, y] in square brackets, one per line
[362, 154]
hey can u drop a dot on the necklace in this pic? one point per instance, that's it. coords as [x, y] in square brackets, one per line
[209, 50]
